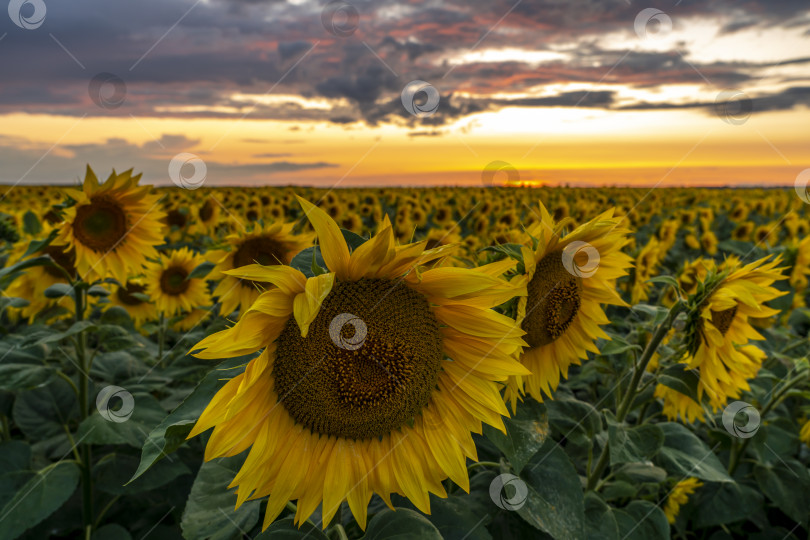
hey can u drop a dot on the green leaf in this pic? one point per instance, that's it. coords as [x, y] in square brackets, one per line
[353, 240]
[14, 456]
[172, 431]
[600, 523]
[112, 474]
[112, 531]
[683, 454]
[309, 262]
[31, 225]
[24, 376]
[41, 413]
[525, 433]
[786, 485]
[642, 472]
[634, 444]
[7, 301]
[76, 328]
[722, 503]
[35, 246]
[209, 511]
[200, 271]
[41, 496]
[133, 430]
[667, 280]
[510, 250]
[642, 520]
[460, 517]
[682, 379]
[402, 524]
[98, 291]
[285, 529]
[576, 420]
[8, 271]
[555, 502]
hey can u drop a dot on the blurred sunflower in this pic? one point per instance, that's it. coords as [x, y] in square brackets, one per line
[132, 297]
[113, 227]
[679, 496]
[678, 405]
[562, 312]
[354, 393]
[169, 286]
[720, 325]
[263, 244]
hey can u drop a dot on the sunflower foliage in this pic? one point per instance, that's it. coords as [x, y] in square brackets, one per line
[554, 363]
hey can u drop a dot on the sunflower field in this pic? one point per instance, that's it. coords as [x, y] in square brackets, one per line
[457, 363]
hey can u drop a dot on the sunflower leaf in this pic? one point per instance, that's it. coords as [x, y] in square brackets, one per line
[632, 444]
[31, 224]
[24, 376]
[209, 511]
[680, 378]
[58, 290]
[401, 525]
[353, 240]
[684, 454]
[8, 271]
[40, 497]
[286, 529]
[554, 501]
[172, 431]
[642, 520]
[200, 271]
[525, 433]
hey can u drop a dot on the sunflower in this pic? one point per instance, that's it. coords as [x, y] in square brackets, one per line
[647, 261]
[679, 496]
[677, 404]
[31, 284]
[264, 244]
[372, 376]
[132, 297]
[113, 227]
[168, 283]
[562, 312]
[721, 325]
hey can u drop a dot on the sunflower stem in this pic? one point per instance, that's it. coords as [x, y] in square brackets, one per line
[84, 385]
[646, 356]
[632, 390]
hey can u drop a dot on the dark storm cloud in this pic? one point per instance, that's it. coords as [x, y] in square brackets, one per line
[226, 47]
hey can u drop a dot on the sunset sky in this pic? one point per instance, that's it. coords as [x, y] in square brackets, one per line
[585, 92]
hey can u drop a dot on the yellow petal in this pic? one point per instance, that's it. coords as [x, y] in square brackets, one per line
[333, 246]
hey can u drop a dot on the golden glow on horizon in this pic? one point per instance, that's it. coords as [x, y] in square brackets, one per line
[553, 139]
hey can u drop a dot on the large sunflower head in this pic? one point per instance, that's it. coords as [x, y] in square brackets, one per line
[113, 227]
[371, 378]
[569, 277]
[168, 283]
[266, 245]
[731, 296]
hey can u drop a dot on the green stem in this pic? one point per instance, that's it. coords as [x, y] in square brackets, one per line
[6, 429]
[339, 531]
[104, 510]
[632, 390]
[646, 356]
[84, 385]
[483, 464]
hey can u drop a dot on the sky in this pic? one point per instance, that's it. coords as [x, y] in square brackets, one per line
[417, 93]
